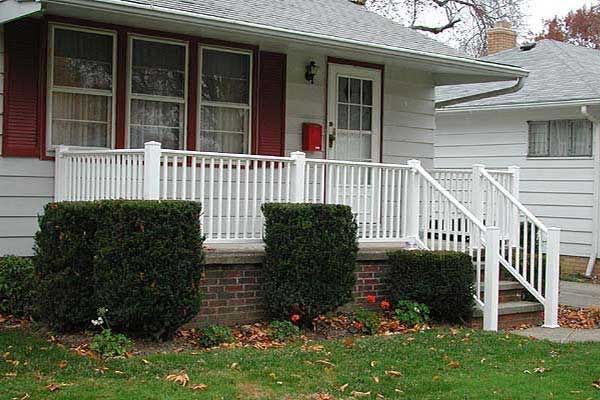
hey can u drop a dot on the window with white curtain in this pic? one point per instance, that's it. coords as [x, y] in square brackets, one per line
[157, 92]
[560, 138]
[225, 100]
[80, 87]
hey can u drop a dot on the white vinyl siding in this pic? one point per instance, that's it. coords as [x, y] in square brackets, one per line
[1, 81]
[559, 190]
[560, 138]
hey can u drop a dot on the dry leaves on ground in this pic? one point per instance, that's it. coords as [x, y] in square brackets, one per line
[181, 378]
[579, 318]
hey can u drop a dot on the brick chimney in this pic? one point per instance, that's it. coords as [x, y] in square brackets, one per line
[501, 37]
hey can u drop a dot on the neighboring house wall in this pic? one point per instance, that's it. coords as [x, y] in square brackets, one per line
[560, 191]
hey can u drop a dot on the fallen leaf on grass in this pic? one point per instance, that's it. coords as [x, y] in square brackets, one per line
[181, 378]
[325, 362]
[145, 361]
[354, 393]
[348, 343]
[373, 363]
[343, 387]
[596, 384]
[53, 387]
[323, 396]
[454, 364]
[26, 396]
[393, 373]
[376, 379]
[199, 387]
[63, 364]
[10, 374]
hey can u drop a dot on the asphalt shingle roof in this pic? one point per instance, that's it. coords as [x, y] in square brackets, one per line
[558, 72]
[336, 18]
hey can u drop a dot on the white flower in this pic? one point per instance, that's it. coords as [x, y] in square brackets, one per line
[97, 322]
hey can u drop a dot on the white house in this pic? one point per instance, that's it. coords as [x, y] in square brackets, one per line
[548, 128]
[237, 103]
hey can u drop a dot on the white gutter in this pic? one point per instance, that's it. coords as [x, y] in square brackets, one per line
[163, 14]
[485, 95]
[493, 107]
[596, 208]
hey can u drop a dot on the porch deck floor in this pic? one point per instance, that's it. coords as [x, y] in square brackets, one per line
[232, 253]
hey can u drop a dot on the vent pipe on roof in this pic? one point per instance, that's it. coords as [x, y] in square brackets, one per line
[501, 37]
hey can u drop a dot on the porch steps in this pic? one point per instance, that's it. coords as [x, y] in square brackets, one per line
[513, 311]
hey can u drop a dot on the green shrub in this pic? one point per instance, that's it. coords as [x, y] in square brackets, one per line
[215, 335]
[310, 259]
[411, 313]
[65, 247]
[17, 286]
[140, 259]
[283, 330]
[369, 321]
[109, 344]
[441, 280]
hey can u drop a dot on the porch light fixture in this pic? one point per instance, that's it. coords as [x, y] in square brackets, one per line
[311, 70]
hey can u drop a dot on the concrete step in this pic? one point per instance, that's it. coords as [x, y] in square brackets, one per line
[513, 314]
[510, 291]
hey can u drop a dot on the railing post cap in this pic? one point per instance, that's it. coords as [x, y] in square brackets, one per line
[152, 144]
[414, 163]
[554, 229]
[298, 154]
[478, 166]
[514, 168]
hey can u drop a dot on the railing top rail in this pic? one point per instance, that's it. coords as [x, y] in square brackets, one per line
[356, 163]
[450, 198]
[461, 170]
[514, 201]
[499, 171]
[236, 156]
[78, 152]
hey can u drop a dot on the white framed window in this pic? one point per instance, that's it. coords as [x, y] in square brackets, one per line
[157, 92]
[81, 87]
[560, 138]
[225, 100]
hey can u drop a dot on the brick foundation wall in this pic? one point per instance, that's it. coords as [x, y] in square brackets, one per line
[576, 265]
[233, 292]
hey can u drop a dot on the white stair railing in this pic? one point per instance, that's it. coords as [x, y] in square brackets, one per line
[528, 249]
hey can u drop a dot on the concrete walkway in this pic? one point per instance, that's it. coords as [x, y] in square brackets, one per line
[561, 335]
[577, 294]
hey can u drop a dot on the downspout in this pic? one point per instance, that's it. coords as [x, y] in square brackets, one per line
[596, 208]
[480, 96]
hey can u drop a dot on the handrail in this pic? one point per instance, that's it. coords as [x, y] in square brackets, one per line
[513, 200]
[69, 151]
[423, 172]
[356, 163]
[223, 155]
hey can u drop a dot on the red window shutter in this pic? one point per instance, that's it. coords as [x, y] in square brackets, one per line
[271, 104]
[21, 88]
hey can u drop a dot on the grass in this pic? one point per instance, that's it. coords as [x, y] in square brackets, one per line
[437, 364]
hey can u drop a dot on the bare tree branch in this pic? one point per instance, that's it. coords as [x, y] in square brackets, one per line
[436, 30]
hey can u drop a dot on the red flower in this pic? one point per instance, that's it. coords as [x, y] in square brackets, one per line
[371, 298]
[358, 325]
[295, 318]
[385, 305]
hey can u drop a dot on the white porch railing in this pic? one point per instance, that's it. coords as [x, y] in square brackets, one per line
[468, 211]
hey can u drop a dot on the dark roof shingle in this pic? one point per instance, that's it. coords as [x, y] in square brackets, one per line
[336, 18]
[558, 72]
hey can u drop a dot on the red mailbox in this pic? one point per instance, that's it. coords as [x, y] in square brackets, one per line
[312, 137]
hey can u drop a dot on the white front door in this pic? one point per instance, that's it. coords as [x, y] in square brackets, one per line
[353, 113]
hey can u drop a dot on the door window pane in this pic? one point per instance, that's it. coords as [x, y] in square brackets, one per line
[343, 88]
[81, 88]
[367, 92]
[225, 101]
[366, 119]
[355, 91]
[355, 118]
[342, 116]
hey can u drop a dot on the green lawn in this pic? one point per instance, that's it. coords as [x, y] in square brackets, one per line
[437, 364]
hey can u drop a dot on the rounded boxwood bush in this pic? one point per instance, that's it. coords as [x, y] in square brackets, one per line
[310, 258]
[442, 280]
[139, 259]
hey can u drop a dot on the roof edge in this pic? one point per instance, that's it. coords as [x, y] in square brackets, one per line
[496, 107]
[500, 70]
